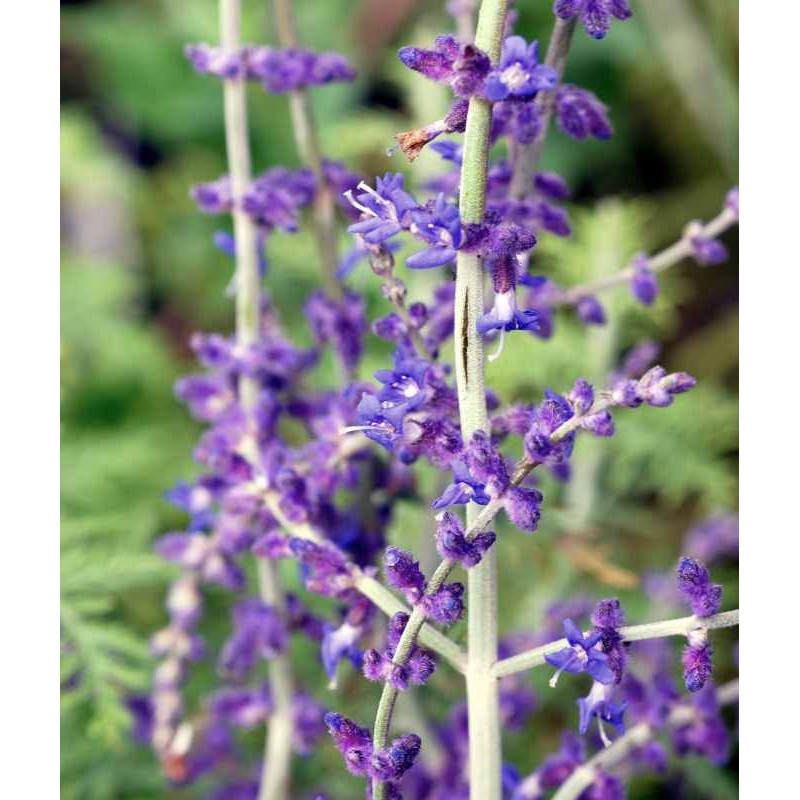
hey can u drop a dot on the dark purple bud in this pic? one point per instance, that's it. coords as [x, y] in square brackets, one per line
[696, 661]
[446, 605]
[643, 283]
[694, 583]
[404, 573]
[590, 312]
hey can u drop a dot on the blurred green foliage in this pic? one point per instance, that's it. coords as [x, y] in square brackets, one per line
[139, 273]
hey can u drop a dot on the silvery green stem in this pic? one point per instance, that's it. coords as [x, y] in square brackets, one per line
[278, 752]
[667, 258]
[630, 633]
[374, 590]
[616, 753]
[528, 156]
[482, 691]
[308, 147]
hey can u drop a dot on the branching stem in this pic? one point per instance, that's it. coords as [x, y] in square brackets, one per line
[640, 734]
[308, 147]
[631, 633]
[275, 779]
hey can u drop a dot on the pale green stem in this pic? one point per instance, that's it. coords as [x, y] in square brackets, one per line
[528, 156]
[630, 633]
[667, 258]
[415, 626]
[374, 590]
[308, 146]
[616, 753]
[275, 776]
[485, 759]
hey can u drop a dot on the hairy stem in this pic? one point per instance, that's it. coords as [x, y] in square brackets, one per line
[630, 633]
[278, 747]
[307, 140]
[667, 258]
[640, 734]
[482, 691]
[528, 156]
[374, 590]
[415, 626]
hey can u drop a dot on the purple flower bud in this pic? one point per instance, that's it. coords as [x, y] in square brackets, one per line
[590, 312]
[462, 66]
[421, 665]
[523, 507]
[352, 741]
[595, 15]
[446, 605]
[657, 388]
[581, 115]
[451, 542]
[217, 61]
[605, 787]
[404, 573]
[245, 708]
[393, 762]
[643, 284]
[608, 614]
[696, 661]
[694, 583]
[706, 251]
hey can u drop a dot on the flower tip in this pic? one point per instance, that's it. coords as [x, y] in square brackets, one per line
[412, 142]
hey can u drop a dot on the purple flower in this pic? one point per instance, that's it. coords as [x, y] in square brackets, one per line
[463, 488]
[463, 67]
[393, 762]
[451, 542]
[215, 197]
[696, 660]
[439, 226]
[352, 741]
[294, 68]
[325, 569]
[385, 210]
[706, 251]
[308, 723]
[605, 787]
[557, 768]
[523, 507]
[244, 707]
[643, 283]
[657, 388]
[694, 583]
[714, 538]
[595, 15]
[505, 316]
[705, 733]
[581, 115]
[446, 605]
[547, 417]
[608, 616]
[339, 643]
[590, 312]
[341, 323]
[217, 61]
[581, 656]
[258, 632]
[519, 75]
[598, 704]
[404, 573]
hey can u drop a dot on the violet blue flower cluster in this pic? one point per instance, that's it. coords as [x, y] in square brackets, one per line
[290, 470]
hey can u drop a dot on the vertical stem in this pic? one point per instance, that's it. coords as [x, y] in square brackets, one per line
[308, 147]
[482, 698]
[277, 754]
[528, 156]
